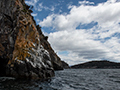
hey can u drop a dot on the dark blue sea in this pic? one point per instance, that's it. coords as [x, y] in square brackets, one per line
[69, 79]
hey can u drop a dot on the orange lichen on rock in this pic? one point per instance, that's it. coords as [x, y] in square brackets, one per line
[20, 45]
[18, 3]
[27, 38]
[33, 26]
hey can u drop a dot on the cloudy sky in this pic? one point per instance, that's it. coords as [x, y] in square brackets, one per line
[80, 30]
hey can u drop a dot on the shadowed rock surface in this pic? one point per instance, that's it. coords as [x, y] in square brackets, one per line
[65, 65]
[97, 64]
[24, 50]
[56, 61]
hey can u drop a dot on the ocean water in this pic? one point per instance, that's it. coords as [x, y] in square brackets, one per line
[69, 79]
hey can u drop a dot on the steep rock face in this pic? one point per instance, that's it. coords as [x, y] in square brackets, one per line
[65, 65]
[22, 54]
[56, 61]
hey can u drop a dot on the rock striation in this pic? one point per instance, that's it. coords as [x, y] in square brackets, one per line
[24, 50]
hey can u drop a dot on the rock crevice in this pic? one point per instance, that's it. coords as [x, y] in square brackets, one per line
[24, 50]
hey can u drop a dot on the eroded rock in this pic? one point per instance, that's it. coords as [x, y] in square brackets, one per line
[20, 46]
[24, 51]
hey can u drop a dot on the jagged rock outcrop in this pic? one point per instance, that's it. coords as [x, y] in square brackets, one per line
[24, 50]
[56, 61]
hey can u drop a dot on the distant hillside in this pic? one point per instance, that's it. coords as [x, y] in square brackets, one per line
[97, 64]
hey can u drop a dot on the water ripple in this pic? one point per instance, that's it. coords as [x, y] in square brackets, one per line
[69, 79]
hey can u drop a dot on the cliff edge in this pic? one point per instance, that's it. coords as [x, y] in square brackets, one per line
[24, 50]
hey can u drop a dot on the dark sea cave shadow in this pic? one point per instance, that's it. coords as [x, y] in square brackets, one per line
[3, 65]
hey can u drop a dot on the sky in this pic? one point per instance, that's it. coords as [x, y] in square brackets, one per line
[80, 30]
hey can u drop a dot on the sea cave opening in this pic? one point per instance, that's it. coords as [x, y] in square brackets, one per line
[3, 64]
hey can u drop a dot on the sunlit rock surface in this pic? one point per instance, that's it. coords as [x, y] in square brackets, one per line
[22, 54]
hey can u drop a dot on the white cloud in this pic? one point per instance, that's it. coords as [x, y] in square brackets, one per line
[106, 14]
[47, 22]
[34, 14]
[86, 44]
[82, 47]
[52, 8]
[80, 43]
[112, 1]
[40, 7]
[32, 2]
[85, 2]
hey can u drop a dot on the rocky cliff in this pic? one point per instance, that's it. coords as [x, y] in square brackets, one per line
[65, 65]
[24, 50]
[56, 61]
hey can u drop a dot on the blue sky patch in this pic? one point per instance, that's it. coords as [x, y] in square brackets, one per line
[87, 26]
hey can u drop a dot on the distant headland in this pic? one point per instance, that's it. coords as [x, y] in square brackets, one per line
[104, 64]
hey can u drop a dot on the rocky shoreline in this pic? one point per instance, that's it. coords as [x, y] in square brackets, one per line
[24, 50]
